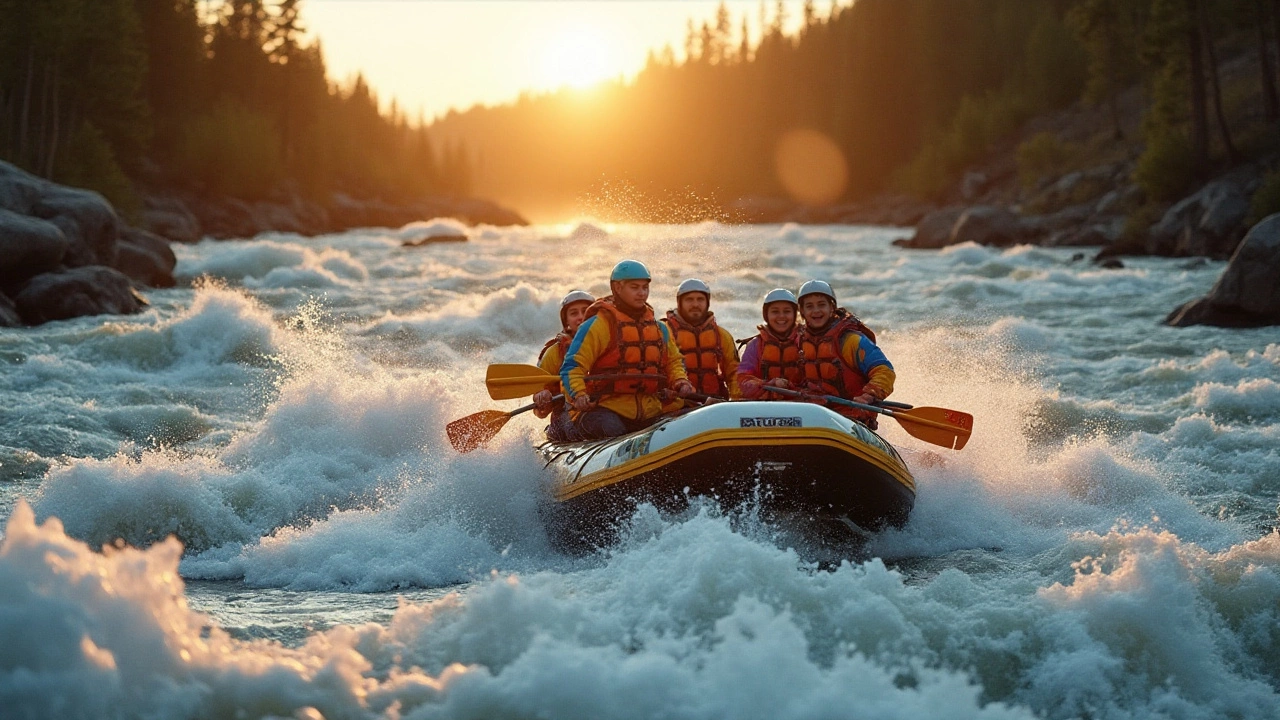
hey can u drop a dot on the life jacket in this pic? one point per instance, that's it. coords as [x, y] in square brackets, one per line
[821, 356]
[703, 353]
[635, 347]
[780, 357]
[562, 338]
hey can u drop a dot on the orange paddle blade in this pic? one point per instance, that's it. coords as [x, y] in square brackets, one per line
[940, 426]
[468, 433]
[509, 380]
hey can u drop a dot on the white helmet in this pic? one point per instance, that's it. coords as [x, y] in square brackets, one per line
[571, 298]
[693, 285]
[777, 295]
[817, 287]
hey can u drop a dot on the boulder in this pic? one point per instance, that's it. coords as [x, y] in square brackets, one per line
[1089, 235]
[1209, 222]
[934, 230]
[169, 217]
[88, 290]
[28, 246]
[1248, 293]
[989, 225]
[146, 258]
[85, 218]
[9, 316]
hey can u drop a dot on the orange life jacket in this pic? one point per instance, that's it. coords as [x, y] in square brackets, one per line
[635, 347]
[780, 357]
[703, 353]
[563, 338]
[820, 353]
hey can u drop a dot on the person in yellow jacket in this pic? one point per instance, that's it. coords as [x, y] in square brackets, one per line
[710, 354]
[621, 337]
[839, 354]
[573, 310]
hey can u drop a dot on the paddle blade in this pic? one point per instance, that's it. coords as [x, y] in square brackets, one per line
[940, 426]
[506, 381]
[468, 433]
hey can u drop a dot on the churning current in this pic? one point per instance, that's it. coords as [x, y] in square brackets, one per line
[241, 503]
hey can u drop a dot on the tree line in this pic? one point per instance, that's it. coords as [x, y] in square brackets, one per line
[224, 97]
[910, 91]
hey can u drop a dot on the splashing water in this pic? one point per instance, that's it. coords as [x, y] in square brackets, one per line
[1103, 547]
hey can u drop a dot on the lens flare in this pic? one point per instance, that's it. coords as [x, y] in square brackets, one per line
[811, 167]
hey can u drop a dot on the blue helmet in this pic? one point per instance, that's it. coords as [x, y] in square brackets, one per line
[777, 295]
[629, 270]
[817, 287]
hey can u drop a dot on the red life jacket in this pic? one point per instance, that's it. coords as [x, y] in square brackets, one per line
[703, 353]
[635, 347]
[563, 338]
[823, 366]
[780, 357]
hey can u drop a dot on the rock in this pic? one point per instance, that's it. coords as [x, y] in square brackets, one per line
[1248, 293]
[434, 240]
[1090, 235]
[85, 218]
[973, 184]
[169, 217]
[988, 225]
[146, 258]
[28, 246]
[88, 290]
[1210, 222]
[934, 230]
[1119, 200]
[1077, 257]
[1111, 264]
[9, 316]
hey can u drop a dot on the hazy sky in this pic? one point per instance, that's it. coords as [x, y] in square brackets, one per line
[434, 55]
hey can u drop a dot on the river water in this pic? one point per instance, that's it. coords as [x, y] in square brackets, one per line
[1104, 547]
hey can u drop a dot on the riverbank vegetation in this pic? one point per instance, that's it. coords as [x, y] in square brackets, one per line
[229, 98]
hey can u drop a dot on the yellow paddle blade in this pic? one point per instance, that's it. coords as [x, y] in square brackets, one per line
[468, 433]
[940, 426]
[510, 380]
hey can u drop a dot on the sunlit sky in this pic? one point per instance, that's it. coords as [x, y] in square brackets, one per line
[434, 55]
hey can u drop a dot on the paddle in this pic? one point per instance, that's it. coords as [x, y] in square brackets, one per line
[506, 381]
[468, 433]
[948, 428]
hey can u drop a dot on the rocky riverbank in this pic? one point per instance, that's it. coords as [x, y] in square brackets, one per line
[65, 252]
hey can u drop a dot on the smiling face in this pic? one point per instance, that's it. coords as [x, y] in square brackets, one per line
[817, 310]
[631, 294]
[693, 307]
[575, 314]
[780, 317]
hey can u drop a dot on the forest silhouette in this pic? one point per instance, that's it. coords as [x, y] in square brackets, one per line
[866, 97]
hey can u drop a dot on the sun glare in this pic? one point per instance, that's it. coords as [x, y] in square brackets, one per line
[578, 57]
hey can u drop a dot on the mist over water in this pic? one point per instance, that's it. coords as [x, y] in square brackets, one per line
[1104, 547]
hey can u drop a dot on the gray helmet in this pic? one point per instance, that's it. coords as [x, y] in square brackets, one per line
[777, 295]
[817, 287]
[571, 298]
[693, 285]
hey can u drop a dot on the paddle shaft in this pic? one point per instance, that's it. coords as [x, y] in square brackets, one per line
[862, 406]
[530, 406]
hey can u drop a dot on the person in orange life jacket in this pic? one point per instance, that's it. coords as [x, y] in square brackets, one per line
[621, 336]
[839, 354]
[772, 357]
[710, 355]
[573, 310]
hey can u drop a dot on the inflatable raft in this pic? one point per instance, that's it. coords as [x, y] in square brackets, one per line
[800, 460]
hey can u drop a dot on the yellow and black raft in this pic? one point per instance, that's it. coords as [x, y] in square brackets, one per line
[791, 458]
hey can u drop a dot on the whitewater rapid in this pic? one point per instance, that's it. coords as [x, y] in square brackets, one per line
[241, 503]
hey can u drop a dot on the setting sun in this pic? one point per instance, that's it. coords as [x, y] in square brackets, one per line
[578, 56]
